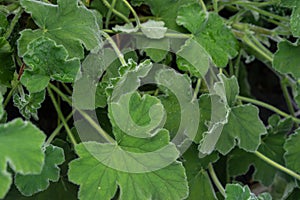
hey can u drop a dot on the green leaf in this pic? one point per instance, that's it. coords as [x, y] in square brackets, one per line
[29, 105]
[243, 128]
[286, 59]
[294, 21]
[58, 23]
[187, 61]
[7, 67]
[156, 49]
[200, 186]
[47, 61]
[272, 146]
[154, 29]
[237, 192]
[165, 10]
[101, 182]
[143, 114]
[209, 30]
[212, 112]
[15, 137]
[31, 184]
[227, 89]
[292, 149]
[3, 23]
[172, 109]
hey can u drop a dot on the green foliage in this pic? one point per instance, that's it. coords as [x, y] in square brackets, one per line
[43, 69]
[57, 23]
[159, 104]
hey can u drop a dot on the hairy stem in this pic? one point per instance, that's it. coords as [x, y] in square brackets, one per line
[216, 180]
[276, 165]
[138, 23]
[123, 17]
[61, 116]
[13, 23]
[268, 106]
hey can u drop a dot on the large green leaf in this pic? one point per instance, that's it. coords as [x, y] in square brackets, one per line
[244, 128]
[209, 30]
[47, 61]
[63, 24]
[293, 151]
[286, 59]
[21, 148]
[29, 105]
[31, 184]
[6, 64]
[98, 181]
[272, 146]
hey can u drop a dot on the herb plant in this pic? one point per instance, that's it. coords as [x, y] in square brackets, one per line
[149, 99]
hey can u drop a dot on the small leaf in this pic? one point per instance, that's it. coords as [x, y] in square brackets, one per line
[286, 59]
[30, 104]
[209, 30]
[21, 148]
[294, 21]
[47, 61]
[154, 29]
[293, 151]
[57, 23]
[31, 184]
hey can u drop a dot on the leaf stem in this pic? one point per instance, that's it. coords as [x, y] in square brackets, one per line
[268, 106]
[216, 180]
[283, 84]
[13, 23]
[61, 116]
[196, 91]
[203, 5]
[138, 23]
[116, 49]
[116, 12]
[276, 165]
[11, 92]
[58, 128]
[86, 116]
[215, 5]
[108, 15]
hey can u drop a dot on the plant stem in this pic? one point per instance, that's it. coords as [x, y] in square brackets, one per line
[266, 13]
[108, 15]
[283, 84]
[8, 97]
[268, 106]
[116, 49]
[216, 180]
[215, 5]
[196, 91]
[249, 3]
[116, 12]
[203, 5]
[56, 131]
[13, 23]
[61, 116]
[276, 165]
[138, 23]
[247, 40]
[86, 116]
